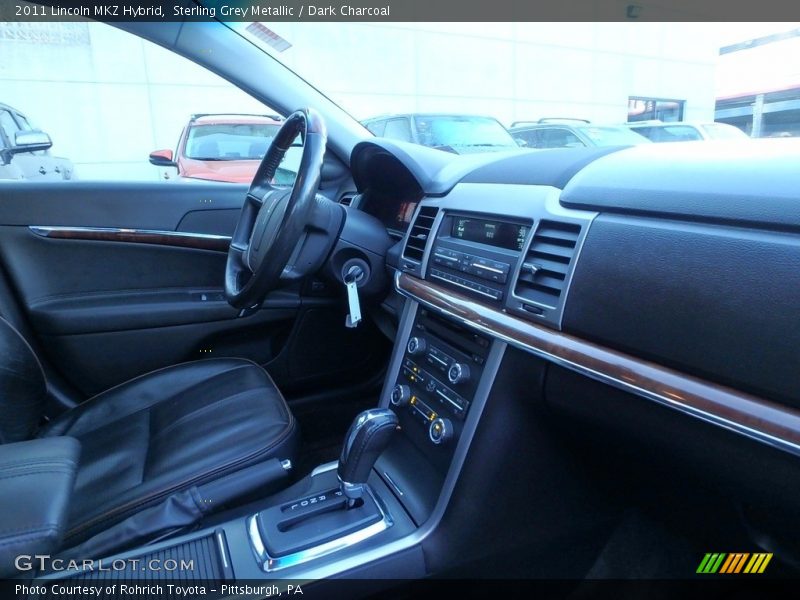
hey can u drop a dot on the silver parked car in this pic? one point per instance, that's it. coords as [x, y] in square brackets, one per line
[25, 151]
[456, 133]
[572, 133]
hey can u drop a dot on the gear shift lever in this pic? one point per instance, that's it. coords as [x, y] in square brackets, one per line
[324, 517]
[367, 437]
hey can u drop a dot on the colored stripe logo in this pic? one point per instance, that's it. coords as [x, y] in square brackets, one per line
[734, 562]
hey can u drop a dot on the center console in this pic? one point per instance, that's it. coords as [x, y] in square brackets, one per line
[436, 383]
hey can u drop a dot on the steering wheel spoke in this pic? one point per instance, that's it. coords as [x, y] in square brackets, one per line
[254, 200]
[258, 194]
[273, 218]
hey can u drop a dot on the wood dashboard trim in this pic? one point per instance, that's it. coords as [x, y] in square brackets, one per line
[763, 420]
[197, 241]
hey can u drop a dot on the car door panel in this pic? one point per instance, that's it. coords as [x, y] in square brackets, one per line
[117, 279]
[94, 362]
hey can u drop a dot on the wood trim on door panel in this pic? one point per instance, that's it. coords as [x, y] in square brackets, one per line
[197, 241]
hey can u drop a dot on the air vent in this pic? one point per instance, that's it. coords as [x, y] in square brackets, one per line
[544, 271]
[347, 198]
[420, 230]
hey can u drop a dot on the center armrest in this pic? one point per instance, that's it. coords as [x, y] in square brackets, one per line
[36, 479]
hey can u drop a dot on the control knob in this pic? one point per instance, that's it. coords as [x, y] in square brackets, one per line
[440, 431]
[416, 345]
[457, 373]
[401, 394]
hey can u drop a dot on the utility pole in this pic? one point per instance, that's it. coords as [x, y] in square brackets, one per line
[758, 116]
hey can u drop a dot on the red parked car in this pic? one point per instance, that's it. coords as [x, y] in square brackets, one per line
[222, 147]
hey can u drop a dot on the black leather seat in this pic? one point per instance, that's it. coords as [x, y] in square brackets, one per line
[155, 435]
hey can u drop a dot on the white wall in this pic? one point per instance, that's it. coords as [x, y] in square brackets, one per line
[108, 98]
[514, 71]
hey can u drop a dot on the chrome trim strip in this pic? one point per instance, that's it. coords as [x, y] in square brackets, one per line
[48, 231]
[439, 360]
[485, 268]
[393, 484]
[629, 386]
[446, 397]
[324, 468]
[270, 564]
[221, 543]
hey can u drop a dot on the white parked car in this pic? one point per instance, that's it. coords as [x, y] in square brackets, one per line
[682, 131]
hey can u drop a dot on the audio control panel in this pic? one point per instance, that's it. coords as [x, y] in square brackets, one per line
[478, 255]
[440, 370]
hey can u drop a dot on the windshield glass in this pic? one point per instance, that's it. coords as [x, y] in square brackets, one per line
[456, 87]
[613, 136]
[229, 141]
[419, 82]
[456, 131]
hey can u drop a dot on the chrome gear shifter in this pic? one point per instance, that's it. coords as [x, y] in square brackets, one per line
[366, 439]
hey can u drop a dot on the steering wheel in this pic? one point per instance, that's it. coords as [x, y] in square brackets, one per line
[274, 219]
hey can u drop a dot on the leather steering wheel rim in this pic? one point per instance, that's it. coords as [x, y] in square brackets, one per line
[273, 219]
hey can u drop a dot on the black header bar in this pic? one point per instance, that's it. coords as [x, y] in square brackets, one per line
[400, 10]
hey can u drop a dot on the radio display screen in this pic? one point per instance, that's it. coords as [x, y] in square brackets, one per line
[510, 236]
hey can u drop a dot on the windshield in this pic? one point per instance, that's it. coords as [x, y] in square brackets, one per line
[230, 141]
[417, 81]
[613, 136]
[456, 87]
[457, 131]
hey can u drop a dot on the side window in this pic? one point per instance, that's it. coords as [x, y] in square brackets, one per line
[530, 138]
[376, 128]
[23, 122]
[524, 137]
[558, 137]
[398, 129]
[671, 133]
[681, 134]
[149, 96]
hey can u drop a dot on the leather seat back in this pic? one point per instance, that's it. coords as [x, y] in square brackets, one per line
[23, 390]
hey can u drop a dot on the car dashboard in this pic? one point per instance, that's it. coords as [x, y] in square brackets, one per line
[650, 293]
[577, 329]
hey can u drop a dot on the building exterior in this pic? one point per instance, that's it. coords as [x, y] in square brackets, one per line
[758, 87]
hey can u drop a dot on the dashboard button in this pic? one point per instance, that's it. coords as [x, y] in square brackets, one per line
[536, 310]
[457, 373]
[416, 345]
[440, 431]
[401, 395]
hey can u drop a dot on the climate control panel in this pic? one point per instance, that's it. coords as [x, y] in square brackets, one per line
[440, 369]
